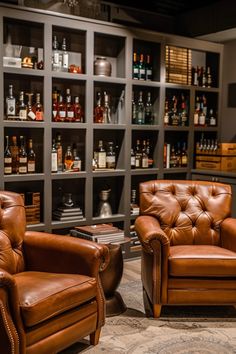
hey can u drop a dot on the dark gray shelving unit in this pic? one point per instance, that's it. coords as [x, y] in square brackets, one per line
[92, 38]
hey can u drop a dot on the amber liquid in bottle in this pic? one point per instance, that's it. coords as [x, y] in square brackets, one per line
[7, 158]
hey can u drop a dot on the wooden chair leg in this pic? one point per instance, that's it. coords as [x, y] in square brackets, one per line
[94, 337]
[156, 310]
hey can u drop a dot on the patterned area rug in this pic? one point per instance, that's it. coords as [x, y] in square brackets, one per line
[180, 330]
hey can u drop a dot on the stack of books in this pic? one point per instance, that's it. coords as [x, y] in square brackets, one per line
[67, 214]
[101, 233]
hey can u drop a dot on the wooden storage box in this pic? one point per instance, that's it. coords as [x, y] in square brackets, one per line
[32, 210]
[217, 163]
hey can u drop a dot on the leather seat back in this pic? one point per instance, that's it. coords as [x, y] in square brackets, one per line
[189, 212]
[12, 230]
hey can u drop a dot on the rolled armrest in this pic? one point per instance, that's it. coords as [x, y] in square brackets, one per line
[228, 234]
[148, 229]
[64, 254]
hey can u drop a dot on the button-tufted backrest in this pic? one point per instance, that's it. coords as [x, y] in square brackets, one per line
[189, 212]
[12, 230]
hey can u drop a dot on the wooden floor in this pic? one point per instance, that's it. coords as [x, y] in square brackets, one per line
[132, 270]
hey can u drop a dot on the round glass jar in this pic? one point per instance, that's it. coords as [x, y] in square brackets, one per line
[102, 67]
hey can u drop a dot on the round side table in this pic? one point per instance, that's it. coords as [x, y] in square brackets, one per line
[110, 279]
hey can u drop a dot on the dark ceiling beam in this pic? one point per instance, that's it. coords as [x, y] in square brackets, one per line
[210, 19]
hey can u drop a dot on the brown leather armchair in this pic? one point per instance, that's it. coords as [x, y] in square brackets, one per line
[50, 292]
[188, 244]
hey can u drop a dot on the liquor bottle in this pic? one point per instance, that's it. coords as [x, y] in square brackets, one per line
[22, 156]
[106, 109]
[38, 108]
[178, 155]
[141, 68]
[70, 114]
[76, 159]
[7, 158]
[30, 113]
[56, 65]
[184, 156]
[132, 159]
[183, 112]
[173, 157]
[100, 155]
[167, 113]
[61, 109]
[99, 110]
[22, 109]
[59, 152]
[212, 120]
[78, 112]
[140, 109]
[33, 57]
[144, 159]
[148, 68]
[134, 110]
[55, 113]
[54, 157]
[135, 67]
[194, 76]
[65, 56]
[110, 156]
[174, 113]
[148, 110]
[31, 157]
[208, 77]
[148, 150]
[14, 154]
[138, 155]
[10, 104]
[196, 112]
[68, 159]
[204, 78]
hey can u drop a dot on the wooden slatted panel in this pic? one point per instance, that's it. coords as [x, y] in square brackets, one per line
[178, 65]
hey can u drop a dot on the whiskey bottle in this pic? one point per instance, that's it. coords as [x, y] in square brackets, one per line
[68, 159]
[69, 107]
[135, 67]
[208, 77]
[148, 110]
[61, 109]
[30, 113]
[167, 113]
[148, 69]
[134, 110]
[59, 153]
[110, 156]
[22, 109]
[54, 157]
[184, 156]
[7, 158]
[144, 158]
[55, 115]
[132, 159]
[140, 109]
[31, 158]
[183, 112]
[138, 155]
[100, 155]
[76, 159]
[10, 104]
[148, 151]
[78, 112]
[38, 108]
[107, 110]
[14, 154]
[141, 68]
[99, 110]
[56, 65]
[65, 56]
[173, 157]
[212, 120]
[196, 112]
[22, 156]
[174, 113]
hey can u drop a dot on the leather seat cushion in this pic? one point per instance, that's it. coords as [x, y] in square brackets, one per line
[45, 295]
[201, 261]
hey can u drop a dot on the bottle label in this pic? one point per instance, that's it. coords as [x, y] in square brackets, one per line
[101, 158]
[11, 107]
[111, 161]
[70, 114]
[31, 115]
[54, 162]
[31, 166]
[62, 114]
[132, 161]
[22, 169]
[39, 115]
[7, 170]
[23, 114]
[145, 162]
[65, 61]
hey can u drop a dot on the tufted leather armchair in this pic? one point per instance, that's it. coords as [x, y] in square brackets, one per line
[50, 292]
[188, 244]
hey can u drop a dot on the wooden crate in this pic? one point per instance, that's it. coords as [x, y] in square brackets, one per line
[217, 163]
[32, 211]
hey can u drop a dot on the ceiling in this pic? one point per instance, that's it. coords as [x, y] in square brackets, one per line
[198, 18]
